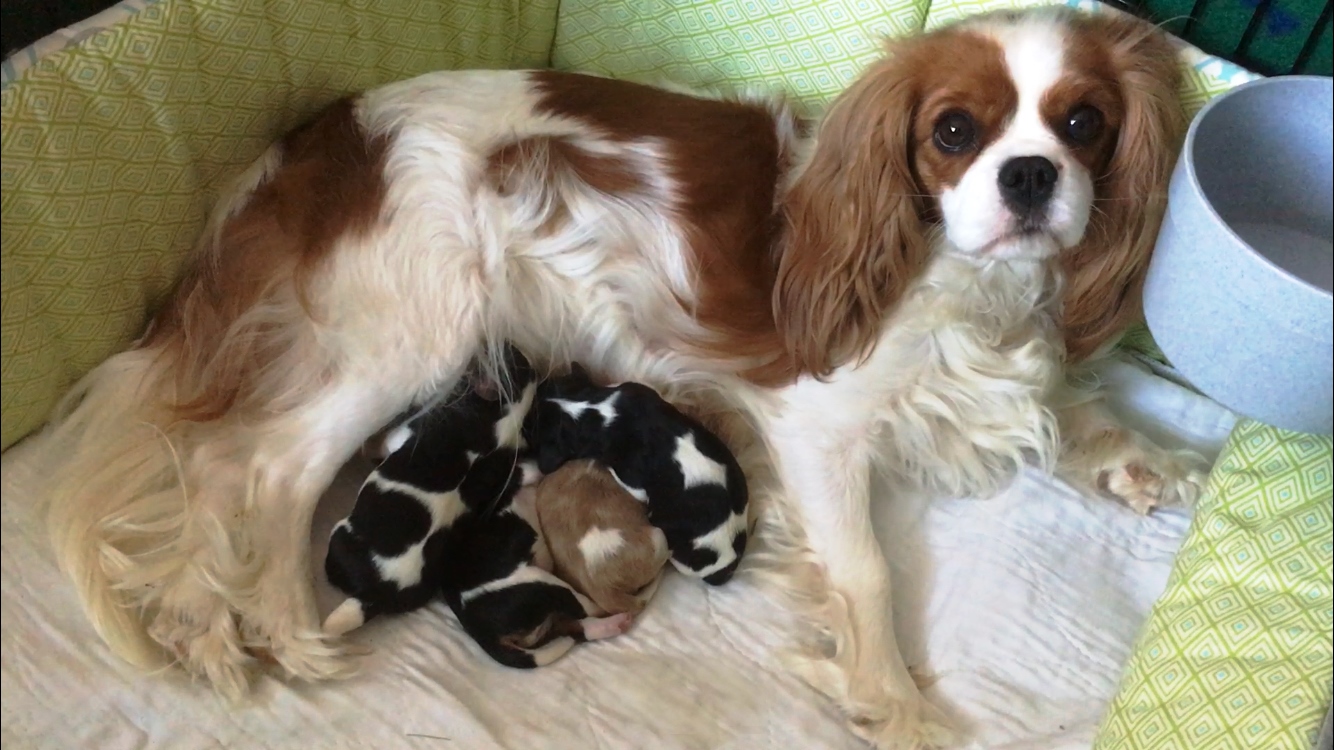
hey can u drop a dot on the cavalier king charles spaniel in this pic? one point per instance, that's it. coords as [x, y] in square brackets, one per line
[907, 287]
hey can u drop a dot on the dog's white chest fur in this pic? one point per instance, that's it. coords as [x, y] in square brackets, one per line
[954, 395]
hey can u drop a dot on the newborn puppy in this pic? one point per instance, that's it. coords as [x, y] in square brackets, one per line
[691, 483]
[600, 539]
[444, 513]
[453, 455]
[496, 576]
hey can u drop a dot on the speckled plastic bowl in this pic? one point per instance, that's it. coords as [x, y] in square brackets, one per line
[1239, 291]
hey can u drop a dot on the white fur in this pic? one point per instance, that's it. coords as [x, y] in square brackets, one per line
[396, 439]
[976, 219]
[521, 574]
[720, 541]
[509, 427]
[606, 408]
[204, 526]
[598, 545]
[697, 468]
[345, 618]
[637, 493]
[405, 569]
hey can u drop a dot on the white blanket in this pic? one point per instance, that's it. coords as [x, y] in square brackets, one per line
[1022, 609]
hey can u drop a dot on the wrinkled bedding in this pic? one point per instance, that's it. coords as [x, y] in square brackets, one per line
[1018, 613]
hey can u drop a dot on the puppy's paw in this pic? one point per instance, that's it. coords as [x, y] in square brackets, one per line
[345, 618]
[595, 629]
[1157, 478]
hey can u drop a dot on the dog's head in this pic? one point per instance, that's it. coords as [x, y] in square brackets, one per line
[1039, 134]
[552, 431]
[503, 374]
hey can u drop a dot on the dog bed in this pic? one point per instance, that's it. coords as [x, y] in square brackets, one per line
[1021, 611]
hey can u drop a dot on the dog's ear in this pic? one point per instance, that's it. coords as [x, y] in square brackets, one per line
[1104, 274]
[855, 235]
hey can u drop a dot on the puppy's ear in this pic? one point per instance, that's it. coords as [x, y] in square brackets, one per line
[579, 375]
[855, 234]
[1104, 274]
[518, 370]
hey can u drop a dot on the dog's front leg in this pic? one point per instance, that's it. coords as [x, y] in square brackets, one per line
[1100, 453]
[826, 471]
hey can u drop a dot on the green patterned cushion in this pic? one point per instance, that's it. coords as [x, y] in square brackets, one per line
[116, 132]
[1238, 651]
[809, 49]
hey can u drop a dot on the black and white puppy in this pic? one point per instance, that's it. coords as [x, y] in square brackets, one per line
[443, 513]
[455, 454]
[693, 487]
[497, 578]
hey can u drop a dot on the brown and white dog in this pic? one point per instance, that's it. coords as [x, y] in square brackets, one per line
[907, 289]
[599, 536]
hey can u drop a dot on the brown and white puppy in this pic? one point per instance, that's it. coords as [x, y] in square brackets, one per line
[600, 539]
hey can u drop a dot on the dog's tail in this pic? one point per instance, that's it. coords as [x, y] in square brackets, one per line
[127, 436]
[116, 496]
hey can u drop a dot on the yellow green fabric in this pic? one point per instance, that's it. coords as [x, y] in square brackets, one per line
[1238, 651]
[807, 49]
[117, 134]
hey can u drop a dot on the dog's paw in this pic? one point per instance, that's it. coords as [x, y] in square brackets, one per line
[195, 625]
[1156, 479]
[892, 723]
[284, 622]
[312, 655]
[888, 716]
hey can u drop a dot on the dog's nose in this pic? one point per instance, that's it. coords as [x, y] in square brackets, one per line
[1027, 183]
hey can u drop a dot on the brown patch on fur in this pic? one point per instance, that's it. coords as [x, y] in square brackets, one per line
[726, 159]
[580, 497]
[976, 82]
[539, 163]
[857, 218]
[1089, 80]
[511, 165]
[1116, 55]
[330, 184]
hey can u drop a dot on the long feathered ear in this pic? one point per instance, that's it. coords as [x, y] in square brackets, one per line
[855, 236]
[1104, 275]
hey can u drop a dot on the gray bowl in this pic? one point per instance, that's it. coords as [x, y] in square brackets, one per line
[1238, 292]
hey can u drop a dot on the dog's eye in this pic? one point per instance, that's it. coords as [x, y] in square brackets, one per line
[955, 132]
[1083, 124]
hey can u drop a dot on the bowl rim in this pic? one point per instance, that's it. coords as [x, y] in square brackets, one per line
[1187, 159]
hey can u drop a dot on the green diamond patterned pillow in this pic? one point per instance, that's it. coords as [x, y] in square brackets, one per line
[1238, 651]
[809, 49]
[117, 130]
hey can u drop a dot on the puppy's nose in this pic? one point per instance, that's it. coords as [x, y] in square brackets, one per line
[1027, 183]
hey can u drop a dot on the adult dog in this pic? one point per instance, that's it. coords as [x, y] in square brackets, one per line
[973, 216]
